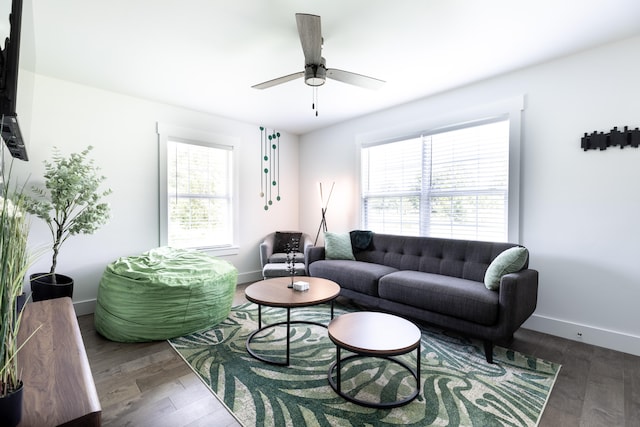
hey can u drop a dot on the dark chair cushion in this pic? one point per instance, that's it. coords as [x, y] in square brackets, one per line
[281, 270]
[278, 258]
[284, 238]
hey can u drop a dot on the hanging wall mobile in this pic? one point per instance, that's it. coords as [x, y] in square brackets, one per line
[269, 166]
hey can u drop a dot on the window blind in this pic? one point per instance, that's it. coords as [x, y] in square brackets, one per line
[391, 179]
[199, 195]
[451, 184]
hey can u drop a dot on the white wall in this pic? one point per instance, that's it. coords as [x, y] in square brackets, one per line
[123, 131]
[579, 211]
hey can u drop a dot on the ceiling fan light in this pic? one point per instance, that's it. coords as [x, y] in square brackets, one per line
[315, 75]
[314, 81]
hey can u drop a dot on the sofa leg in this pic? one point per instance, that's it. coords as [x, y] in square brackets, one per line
[488, 350]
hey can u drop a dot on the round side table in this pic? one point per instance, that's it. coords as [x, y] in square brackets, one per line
[276, 293]
[372, 334]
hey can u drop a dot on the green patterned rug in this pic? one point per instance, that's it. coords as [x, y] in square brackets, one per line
[458, 387]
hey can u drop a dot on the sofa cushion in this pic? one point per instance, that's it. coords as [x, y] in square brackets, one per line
[338, 246]
[509, 261]
[452, 296]
[354, 275]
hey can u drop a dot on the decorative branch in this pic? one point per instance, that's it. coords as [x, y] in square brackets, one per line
[291, 249]
[323, 209]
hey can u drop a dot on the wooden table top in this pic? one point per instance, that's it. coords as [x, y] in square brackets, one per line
[275, 293]
[58, 384]
[372, 332]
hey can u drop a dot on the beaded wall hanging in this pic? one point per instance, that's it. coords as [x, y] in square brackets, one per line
[269, 166]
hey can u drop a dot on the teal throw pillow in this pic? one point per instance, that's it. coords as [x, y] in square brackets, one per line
[509, 261]
[338, 246]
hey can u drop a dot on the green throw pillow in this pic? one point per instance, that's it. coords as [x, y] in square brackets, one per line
[509, 261]
[338, 246]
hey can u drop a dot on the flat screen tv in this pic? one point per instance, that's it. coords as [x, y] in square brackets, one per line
[9, 61]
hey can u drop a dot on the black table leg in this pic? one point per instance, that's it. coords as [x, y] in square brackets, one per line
[337, 383]
[288, 326]
[338, 360]
[418, 367]
[288, 333]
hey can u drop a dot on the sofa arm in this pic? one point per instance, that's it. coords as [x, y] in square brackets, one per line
[313, 254]
[518, 298]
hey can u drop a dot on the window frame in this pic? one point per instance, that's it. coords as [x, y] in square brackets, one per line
[168, 133]
[509, 109]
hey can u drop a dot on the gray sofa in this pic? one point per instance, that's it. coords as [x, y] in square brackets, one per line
[440, 281]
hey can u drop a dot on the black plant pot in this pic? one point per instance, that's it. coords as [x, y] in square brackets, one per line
[20, 302]
[11, 407]
[43, 287]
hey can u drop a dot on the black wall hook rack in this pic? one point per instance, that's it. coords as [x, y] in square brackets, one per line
[600, 141]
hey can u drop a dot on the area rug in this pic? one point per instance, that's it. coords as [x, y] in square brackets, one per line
[458, 387]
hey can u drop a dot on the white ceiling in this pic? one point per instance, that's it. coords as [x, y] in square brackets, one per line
[205, 54]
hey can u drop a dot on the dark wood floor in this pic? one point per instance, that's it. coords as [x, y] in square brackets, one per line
[148, 384]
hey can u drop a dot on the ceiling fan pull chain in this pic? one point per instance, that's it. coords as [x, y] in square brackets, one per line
[315, 100]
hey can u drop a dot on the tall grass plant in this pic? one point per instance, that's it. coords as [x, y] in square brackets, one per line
[14, 261]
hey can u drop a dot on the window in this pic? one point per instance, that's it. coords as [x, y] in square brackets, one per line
[197, 202]
[451, 183]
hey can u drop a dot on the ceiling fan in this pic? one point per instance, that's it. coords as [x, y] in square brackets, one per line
[315, 70]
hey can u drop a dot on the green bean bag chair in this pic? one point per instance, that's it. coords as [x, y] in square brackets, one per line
[163, 293]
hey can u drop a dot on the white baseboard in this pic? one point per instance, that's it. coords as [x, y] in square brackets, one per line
[250, 276]
[600, 337]
[84, 307]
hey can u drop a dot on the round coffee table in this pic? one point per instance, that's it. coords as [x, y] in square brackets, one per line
[276, 293]
[372, 334]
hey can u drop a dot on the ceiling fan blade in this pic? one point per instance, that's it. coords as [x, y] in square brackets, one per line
[279, 80]
[354, 79]
[310, 37]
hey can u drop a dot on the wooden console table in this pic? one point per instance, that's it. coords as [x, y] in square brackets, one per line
[58, 385]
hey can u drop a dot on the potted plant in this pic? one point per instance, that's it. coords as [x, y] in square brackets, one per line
[14, 261]
[71, 203]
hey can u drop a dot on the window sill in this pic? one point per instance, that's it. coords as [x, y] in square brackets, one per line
[224, 251]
